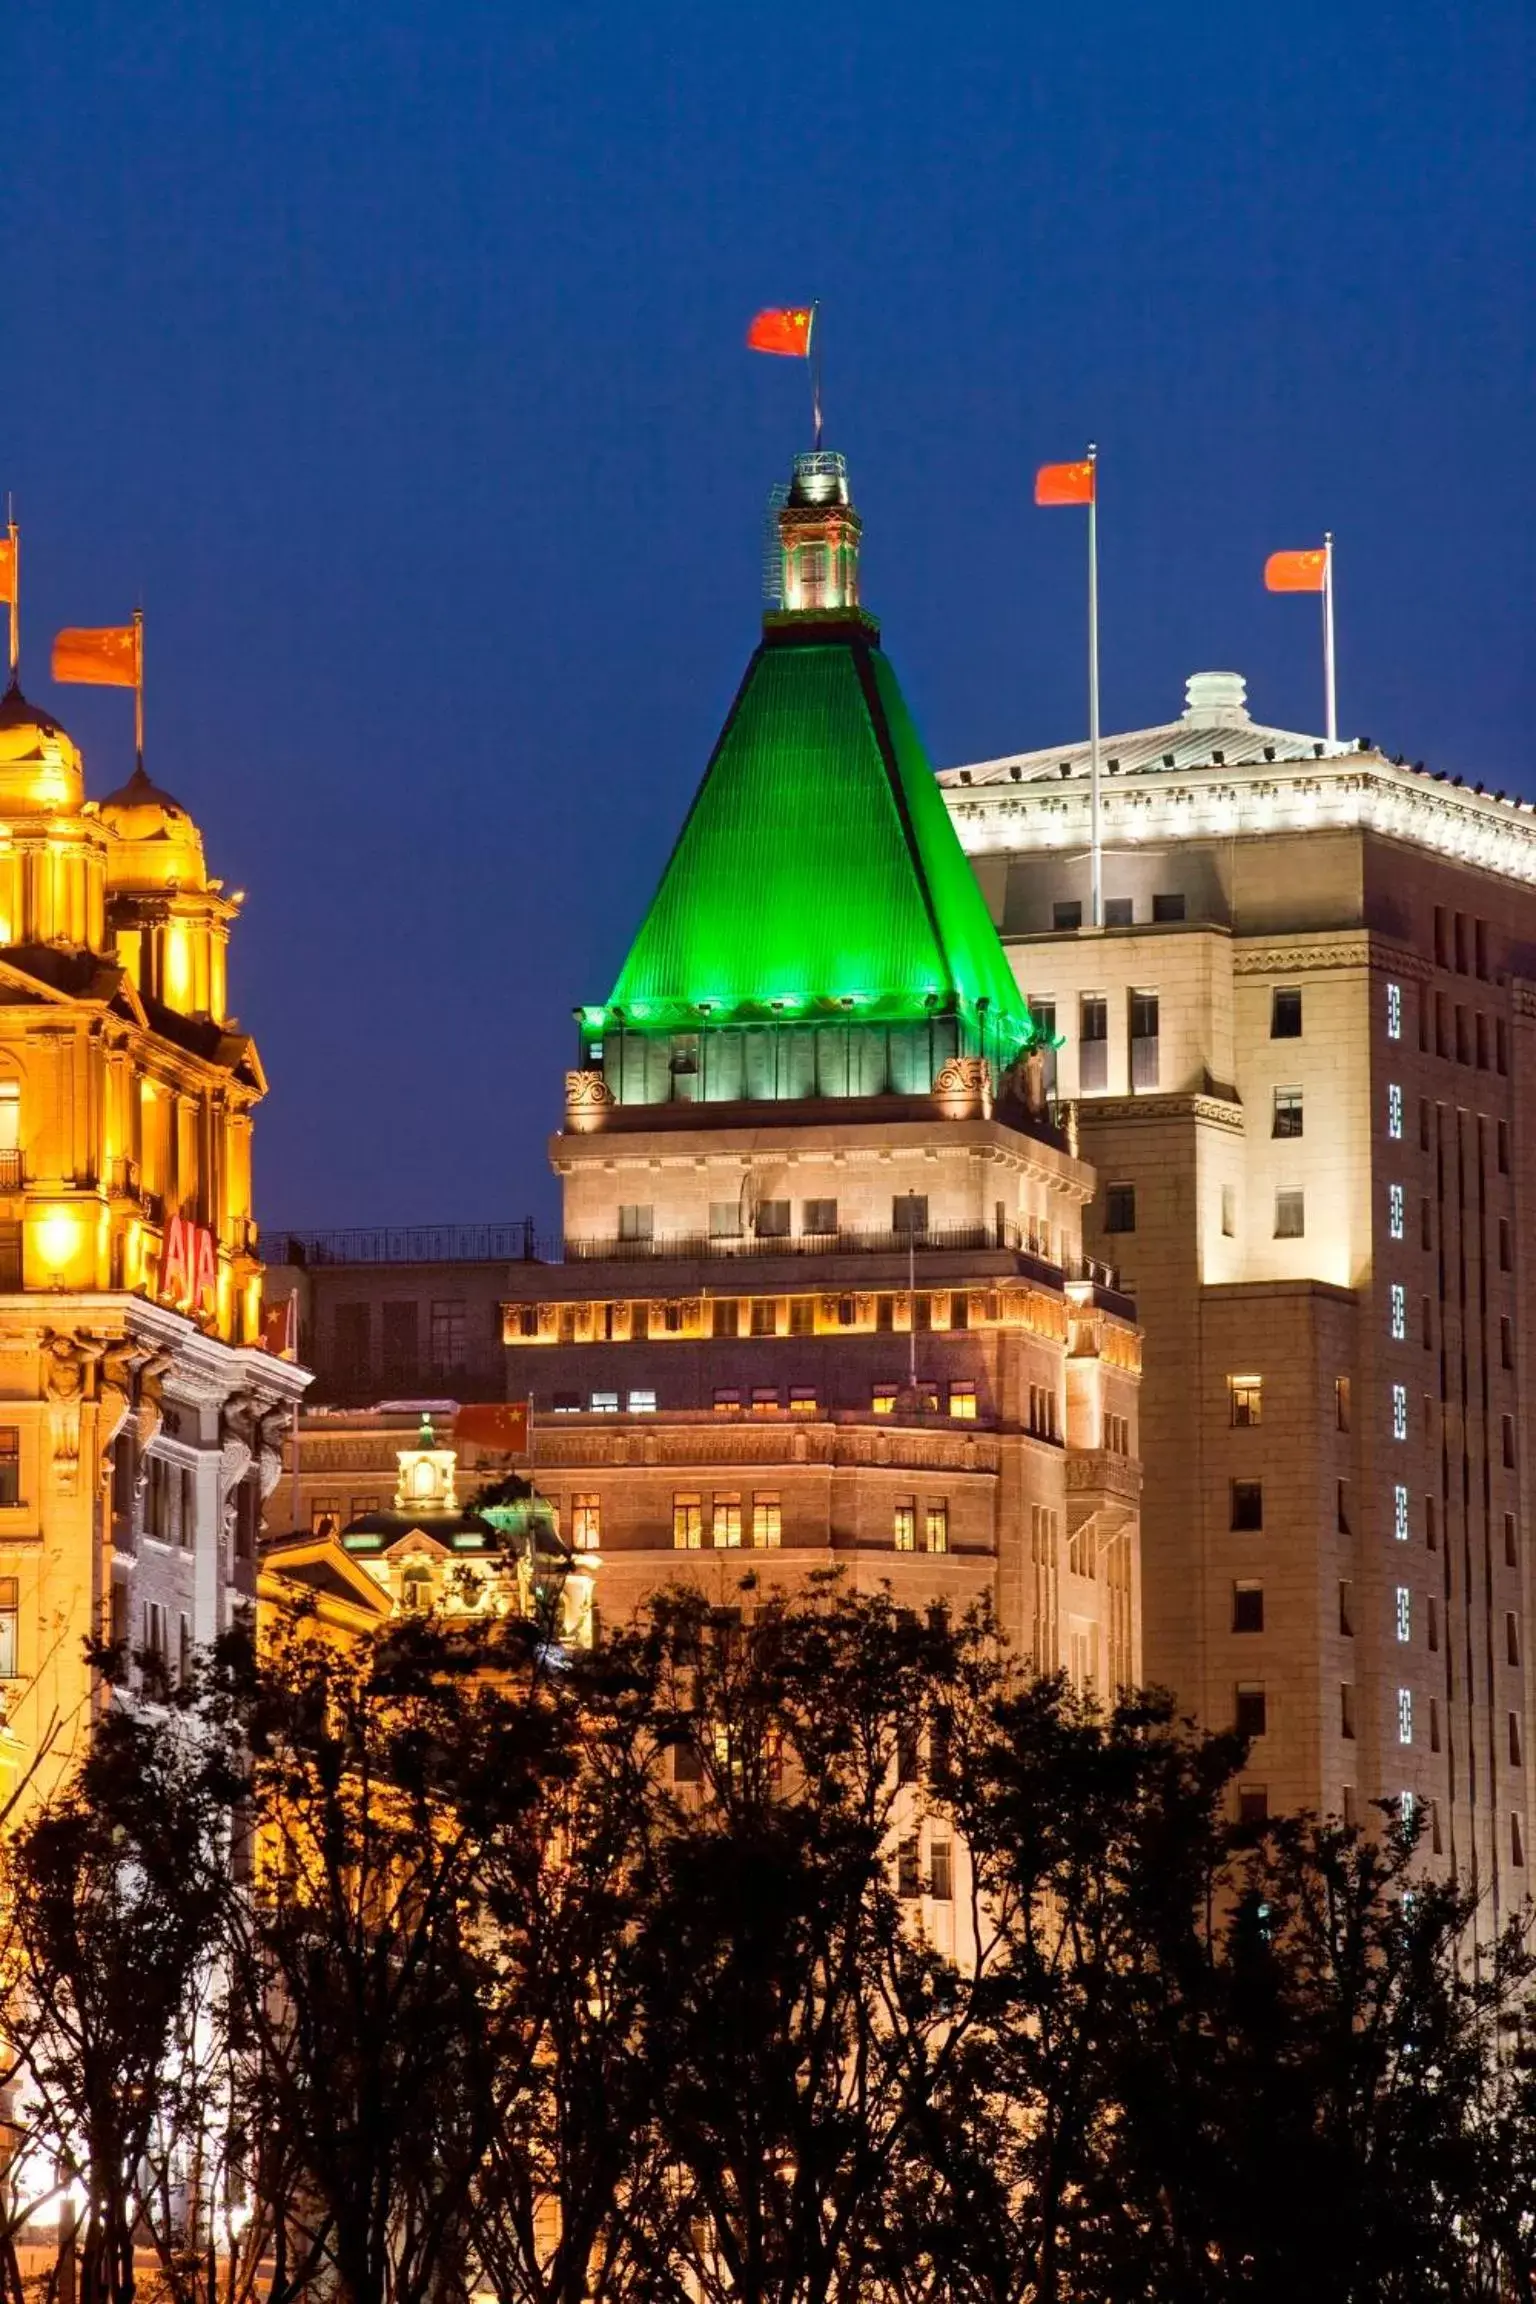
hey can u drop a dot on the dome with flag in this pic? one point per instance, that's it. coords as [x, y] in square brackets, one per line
[40, 769]
[156, 844]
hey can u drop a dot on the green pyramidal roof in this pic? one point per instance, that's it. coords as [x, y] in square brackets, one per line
[818, 865]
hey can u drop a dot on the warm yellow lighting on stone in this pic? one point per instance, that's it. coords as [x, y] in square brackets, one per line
[59, 1236]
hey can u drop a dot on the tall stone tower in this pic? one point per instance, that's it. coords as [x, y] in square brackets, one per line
[823, 1295]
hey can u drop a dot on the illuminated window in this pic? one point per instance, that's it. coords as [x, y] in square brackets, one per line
[1403, 1615]
[727, 1523]
[765, 1400]
[1395, 1113]
[767, 1521]
[936, 1527]
[1287, 1120]
[1394, 1011]
[882, 1400]
[1399, 1312]
[1395, 1211]
[1399, 1411]
[1405, 1717]
[962, 1402]
[765, 1316]
[1341, 1402]
[1400, 1513]
[586, 1522]
[904, 1526]
[687, 1524]
[941, 1875]
[324, 1513]
[1290, 1215]
[643, 1402]
[1245, 1398]
[727, 1400]
[10, 1464]
[10, 1115]
[605, 1403]
[1228, 1212]
[802, 1399]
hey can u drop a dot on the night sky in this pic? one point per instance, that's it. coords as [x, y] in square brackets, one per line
[393, 352]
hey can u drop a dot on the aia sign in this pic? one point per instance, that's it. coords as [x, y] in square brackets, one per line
[189, 1268]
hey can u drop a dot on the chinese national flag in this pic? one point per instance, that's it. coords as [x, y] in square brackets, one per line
[105, 658]
[498, 1424]
[1065, 483]
[787, 332]
[7, 568]
[1295, 571]
[280, 1328]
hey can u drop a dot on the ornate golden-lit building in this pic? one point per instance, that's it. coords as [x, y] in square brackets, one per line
[139, 1416]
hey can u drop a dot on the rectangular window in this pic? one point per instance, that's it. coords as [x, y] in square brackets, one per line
[1512, 1637]
[1506, 1257]
[725, 1219]
[1394, 1011]
[1400, 1513]
[1503, 1144]
[1341, 1400]
[1251, 1711]
[1253, 1804]
[447, 1331]
[1402, 1615]
[882, 1400]
[767, 1520]
[10, 1464]
[1506, 1341]
[586, 1522]
[1346, 1609]
[1066, 916]
[765, 1400]
[772, 1220]
[1287, 1120]
[1093, 1043]
[909, 1215]
[1228, 1212]
[1247, 1504]
[10, 1617]
[726, 1523]
[962, 1403]
[1285, 1013]
[1398, 1312]
[1245, 1399]
[908, 1875]
[936, 1526]
[1511, 1547]
[1247, 1607]
[637, 1220]
[1118, 912]
[687, 1523]
[818, 1216]
[941, 1873]
[1431, 1625]
[1516, 1840]
[1119, 1207]
[1395, 1112]
[642, 1402]
[1144, 1040]
[765, 1316]
[1399, 1411]
[1347, 1711]
[904, 1526]
[605, 1403]
[1343, 1525]
[1516, 1747]
[1290, 1215]
[1507, 1429]
[1431, 1524]
[725, 1317]
[1405, 1715]
[1395, 1211]
[1170, 907]
[802, 1399]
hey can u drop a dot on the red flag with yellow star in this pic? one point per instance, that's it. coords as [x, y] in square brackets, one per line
[787, 332]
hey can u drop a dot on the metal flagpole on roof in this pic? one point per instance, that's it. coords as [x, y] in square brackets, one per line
[1095, 839]
[1329, 676]
[813, 348]
[10, 522]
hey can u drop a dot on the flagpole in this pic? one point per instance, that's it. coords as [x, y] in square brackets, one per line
[15, 536]
[138, 687]
[1329, 676]
[813, 347]
[1095, 841]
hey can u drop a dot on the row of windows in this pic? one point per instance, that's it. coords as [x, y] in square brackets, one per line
[1120, 911]
[447, 1335]
[760, 1316]
[1290, 1212]
[731, 1521]
[772, 1219]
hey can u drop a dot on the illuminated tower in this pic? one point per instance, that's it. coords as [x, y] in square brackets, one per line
[823, 1295]
[139, 1419]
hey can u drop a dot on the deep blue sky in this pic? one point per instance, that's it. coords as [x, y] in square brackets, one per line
[394, 351]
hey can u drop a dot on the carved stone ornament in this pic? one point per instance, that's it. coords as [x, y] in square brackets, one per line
[588, 1099]
[68, 1361]
[964, 1086]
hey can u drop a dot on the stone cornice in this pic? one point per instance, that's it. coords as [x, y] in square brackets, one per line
[1214, 1110]
[1308, 954]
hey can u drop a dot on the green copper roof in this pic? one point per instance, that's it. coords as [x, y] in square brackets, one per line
[818, 864]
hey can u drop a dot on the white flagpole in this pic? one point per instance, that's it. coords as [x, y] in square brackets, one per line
[1095, 840]
[1329, 679]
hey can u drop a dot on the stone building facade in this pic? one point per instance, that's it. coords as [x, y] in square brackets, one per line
[1299, 1058]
